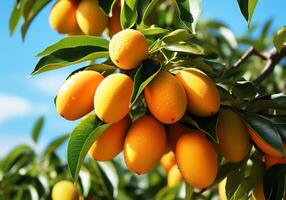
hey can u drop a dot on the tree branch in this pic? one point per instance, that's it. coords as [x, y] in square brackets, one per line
[273, 59]
[250, 52]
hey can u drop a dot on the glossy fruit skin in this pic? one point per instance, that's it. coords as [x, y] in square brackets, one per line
[166, 98]
[197, 159]
[63, 16]
[144, 145]
[258, 191]
[64, 190]
[202, 93]
[128, 48]
[75, 97]
[168, 160]
[233, 137]
[266, 148]
[174, 177]
[90, 17]
[112, 97]
[111, 142]
[270, 161]
[113, 24]
[174, 132]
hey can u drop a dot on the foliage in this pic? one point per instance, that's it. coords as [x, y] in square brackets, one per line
[251, 82]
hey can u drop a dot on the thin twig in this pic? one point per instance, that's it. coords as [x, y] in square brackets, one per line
[273, 59]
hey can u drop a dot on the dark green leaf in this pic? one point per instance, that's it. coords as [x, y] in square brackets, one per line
[107, 6]
[185, 13]
[148, 10]
[208, 125]
[75, 41]
[274, 182]
[143, 76]
[234, 179]
[247, 8]
[279, 38]
[128, 15]
[264, 129]
[244, 90]
[37, 128]
[69, 56]
[82, 138]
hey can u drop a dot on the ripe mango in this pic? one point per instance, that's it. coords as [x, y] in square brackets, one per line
[144, 145]
[166, 98]
[233, 137]
[202, 93]
[197, 159]
[112, 97]
[90, 17]
[75, 97]
[111, 142]
[63, 16]
[168, 160]
[64, 190]
[174, 177]
[174, 132]
[128, 48]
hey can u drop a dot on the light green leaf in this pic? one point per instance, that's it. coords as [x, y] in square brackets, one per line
[75, 41]
[177, 36]
[37, 128]
[69, 56]
[279, 38]
[247, 8]
[82, 138]
[195, 9]
[185, 14]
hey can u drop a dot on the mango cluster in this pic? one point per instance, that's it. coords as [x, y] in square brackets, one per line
[79, 17]
[147, 139]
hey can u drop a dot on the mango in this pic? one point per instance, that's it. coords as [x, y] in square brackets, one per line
[144, 145]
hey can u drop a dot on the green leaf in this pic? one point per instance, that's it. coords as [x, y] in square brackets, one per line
[195, 9]
[244, 90]
[279, 38]
[15, 17]
[154, 31]
[101, 67]
[177, 36]
[82, 138]
[17, 152]
[234, 179]
[103, 180]
[264, 129]
[185, 13]
[128, 15]
[206, 124]
[143, 76]
[106, 6]
[76, 41]
[37, 128]
[148, 10]
[190, 48]
[167, 193]
[274, 182]
[37, 7]
[56, 143]
[247, 8]
[189, 192]
[69, 56]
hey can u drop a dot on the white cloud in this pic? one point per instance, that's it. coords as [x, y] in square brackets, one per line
[12, 106]
[49, 83]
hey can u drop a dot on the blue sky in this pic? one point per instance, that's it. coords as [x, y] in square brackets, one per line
[24, 99]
